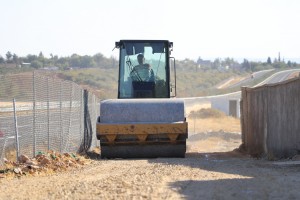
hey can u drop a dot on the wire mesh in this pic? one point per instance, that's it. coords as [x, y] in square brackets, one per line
[50, 114]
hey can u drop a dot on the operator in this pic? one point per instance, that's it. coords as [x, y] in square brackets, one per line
[142, 71]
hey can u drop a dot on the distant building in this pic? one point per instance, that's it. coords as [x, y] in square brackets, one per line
[25, 64]
[52, 68]
[204, 63]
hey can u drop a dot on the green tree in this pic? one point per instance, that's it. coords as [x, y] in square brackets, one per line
[36, 64]
[63, 62]
[75, 60]
[41, 58]
[217, 63]
[54, 60]
[15, 59]
[269, 61]
[87, 61]
[113, 62]
[8, 56]
[289, 63]
[2, 60]
[30, 58]
[279, 65]
[98, 59]
[246, 65]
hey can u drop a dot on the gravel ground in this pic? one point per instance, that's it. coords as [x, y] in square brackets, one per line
[203, 174]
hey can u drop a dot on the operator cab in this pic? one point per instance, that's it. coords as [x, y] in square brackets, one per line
[144, 70]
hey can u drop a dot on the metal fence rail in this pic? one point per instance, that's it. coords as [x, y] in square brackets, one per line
[49, 113]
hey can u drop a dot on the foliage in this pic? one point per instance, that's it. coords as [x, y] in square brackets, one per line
[269, 61]
[8, 56]
[1, 60]
[194, 78]
[36, 64]
[207, 113]
[103, 81]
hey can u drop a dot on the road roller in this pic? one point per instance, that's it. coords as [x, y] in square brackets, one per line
[146, 120]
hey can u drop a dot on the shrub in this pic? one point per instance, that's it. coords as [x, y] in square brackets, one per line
[207, 113]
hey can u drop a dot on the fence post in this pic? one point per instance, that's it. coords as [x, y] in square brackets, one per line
[48, 114]
[34, 113]
[16, 129]
[87, 132]
[94, 117]
[81, 113]
[60, 115]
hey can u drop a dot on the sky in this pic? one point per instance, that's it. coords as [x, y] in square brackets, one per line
[251, 29]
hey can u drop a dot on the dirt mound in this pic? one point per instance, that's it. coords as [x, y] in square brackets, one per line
[42, 164]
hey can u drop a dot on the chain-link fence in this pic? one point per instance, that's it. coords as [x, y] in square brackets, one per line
[40, 113]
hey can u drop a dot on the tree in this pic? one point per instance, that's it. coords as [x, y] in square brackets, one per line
[8, 56]
[217, 63]
[2, 60]
[246, 65]
[36, 64]
[98, 58]
[41, 58]
[87, 61]
[113, 61]
[199, 60]
[75, 60]
[269, 61]
[289, 63]
[41, 55]
[279, 65]
[15, 58]
[30, 58]
[228, 62]
[63, 62]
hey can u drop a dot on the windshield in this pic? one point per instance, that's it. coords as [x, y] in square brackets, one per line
[143, 70]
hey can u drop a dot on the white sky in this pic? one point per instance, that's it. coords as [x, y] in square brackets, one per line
[206, 28]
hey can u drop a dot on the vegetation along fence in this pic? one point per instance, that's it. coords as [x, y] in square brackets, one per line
[40, 113]
[270, 119]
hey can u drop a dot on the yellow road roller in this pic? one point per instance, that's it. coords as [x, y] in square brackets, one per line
[146, 121]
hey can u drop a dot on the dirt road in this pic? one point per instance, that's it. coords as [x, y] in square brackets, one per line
[201, 175]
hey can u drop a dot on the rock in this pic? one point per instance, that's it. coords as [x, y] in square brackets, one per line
[33, 167]
[67, 154]
[31, 162]
[45, 161]
[69, 163]
[5, 160]
[25, 169]
[17, 170]
[23, 158]
[40, 157]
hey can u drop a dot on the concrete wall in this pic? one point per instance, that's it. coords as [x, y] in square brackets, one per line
[224, 105]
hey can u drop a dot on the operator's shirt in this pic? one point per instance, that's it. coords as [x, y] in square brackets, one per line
[144, 71]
